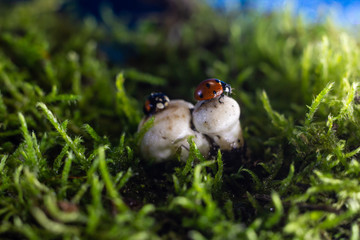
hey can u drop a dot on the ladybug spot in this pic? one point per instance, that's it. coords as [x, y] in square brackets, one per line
[201, 95]
[160, 105]
[214, 92]
[208, 85]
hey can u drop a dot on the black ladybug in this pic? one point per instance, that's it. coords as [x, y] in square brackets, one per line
[155, 102]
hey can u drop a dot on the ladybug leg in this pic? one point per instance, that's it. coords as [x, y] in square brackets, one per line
[222, 95]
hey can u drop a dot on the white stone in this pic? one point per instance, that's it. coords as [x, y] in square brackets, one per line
[218, 118]
[169, 134]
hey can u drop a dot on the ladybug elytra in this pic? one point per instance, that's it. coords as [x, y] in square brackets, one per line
[155, 102]
[211, 88]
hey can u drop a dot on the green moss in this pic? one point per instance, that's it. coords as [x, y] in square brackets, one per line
[70, 166]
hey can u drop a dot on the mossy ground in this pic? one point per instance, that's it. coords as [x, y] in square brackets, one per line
[70, 167]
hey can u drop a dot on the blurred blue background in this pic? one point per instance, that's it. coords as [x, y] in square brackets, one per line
[343, 12]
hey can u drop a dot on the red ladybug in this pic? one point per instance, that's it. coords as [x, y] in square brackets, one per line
[211, 88]
[155, 102]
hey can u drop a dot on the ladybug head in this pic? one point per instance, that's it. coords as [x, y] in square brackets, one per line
[226, 87]
[157, 101]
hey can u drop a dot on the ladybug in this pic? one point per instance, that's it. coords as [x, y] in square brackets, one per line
[155, 102]
[211, 88]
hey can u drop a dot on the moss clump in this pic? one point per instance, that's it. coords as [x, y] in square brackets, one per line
[70, 165]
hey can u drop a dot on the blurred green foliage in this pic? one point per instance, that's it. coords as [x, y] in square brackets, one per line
[70, 167]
